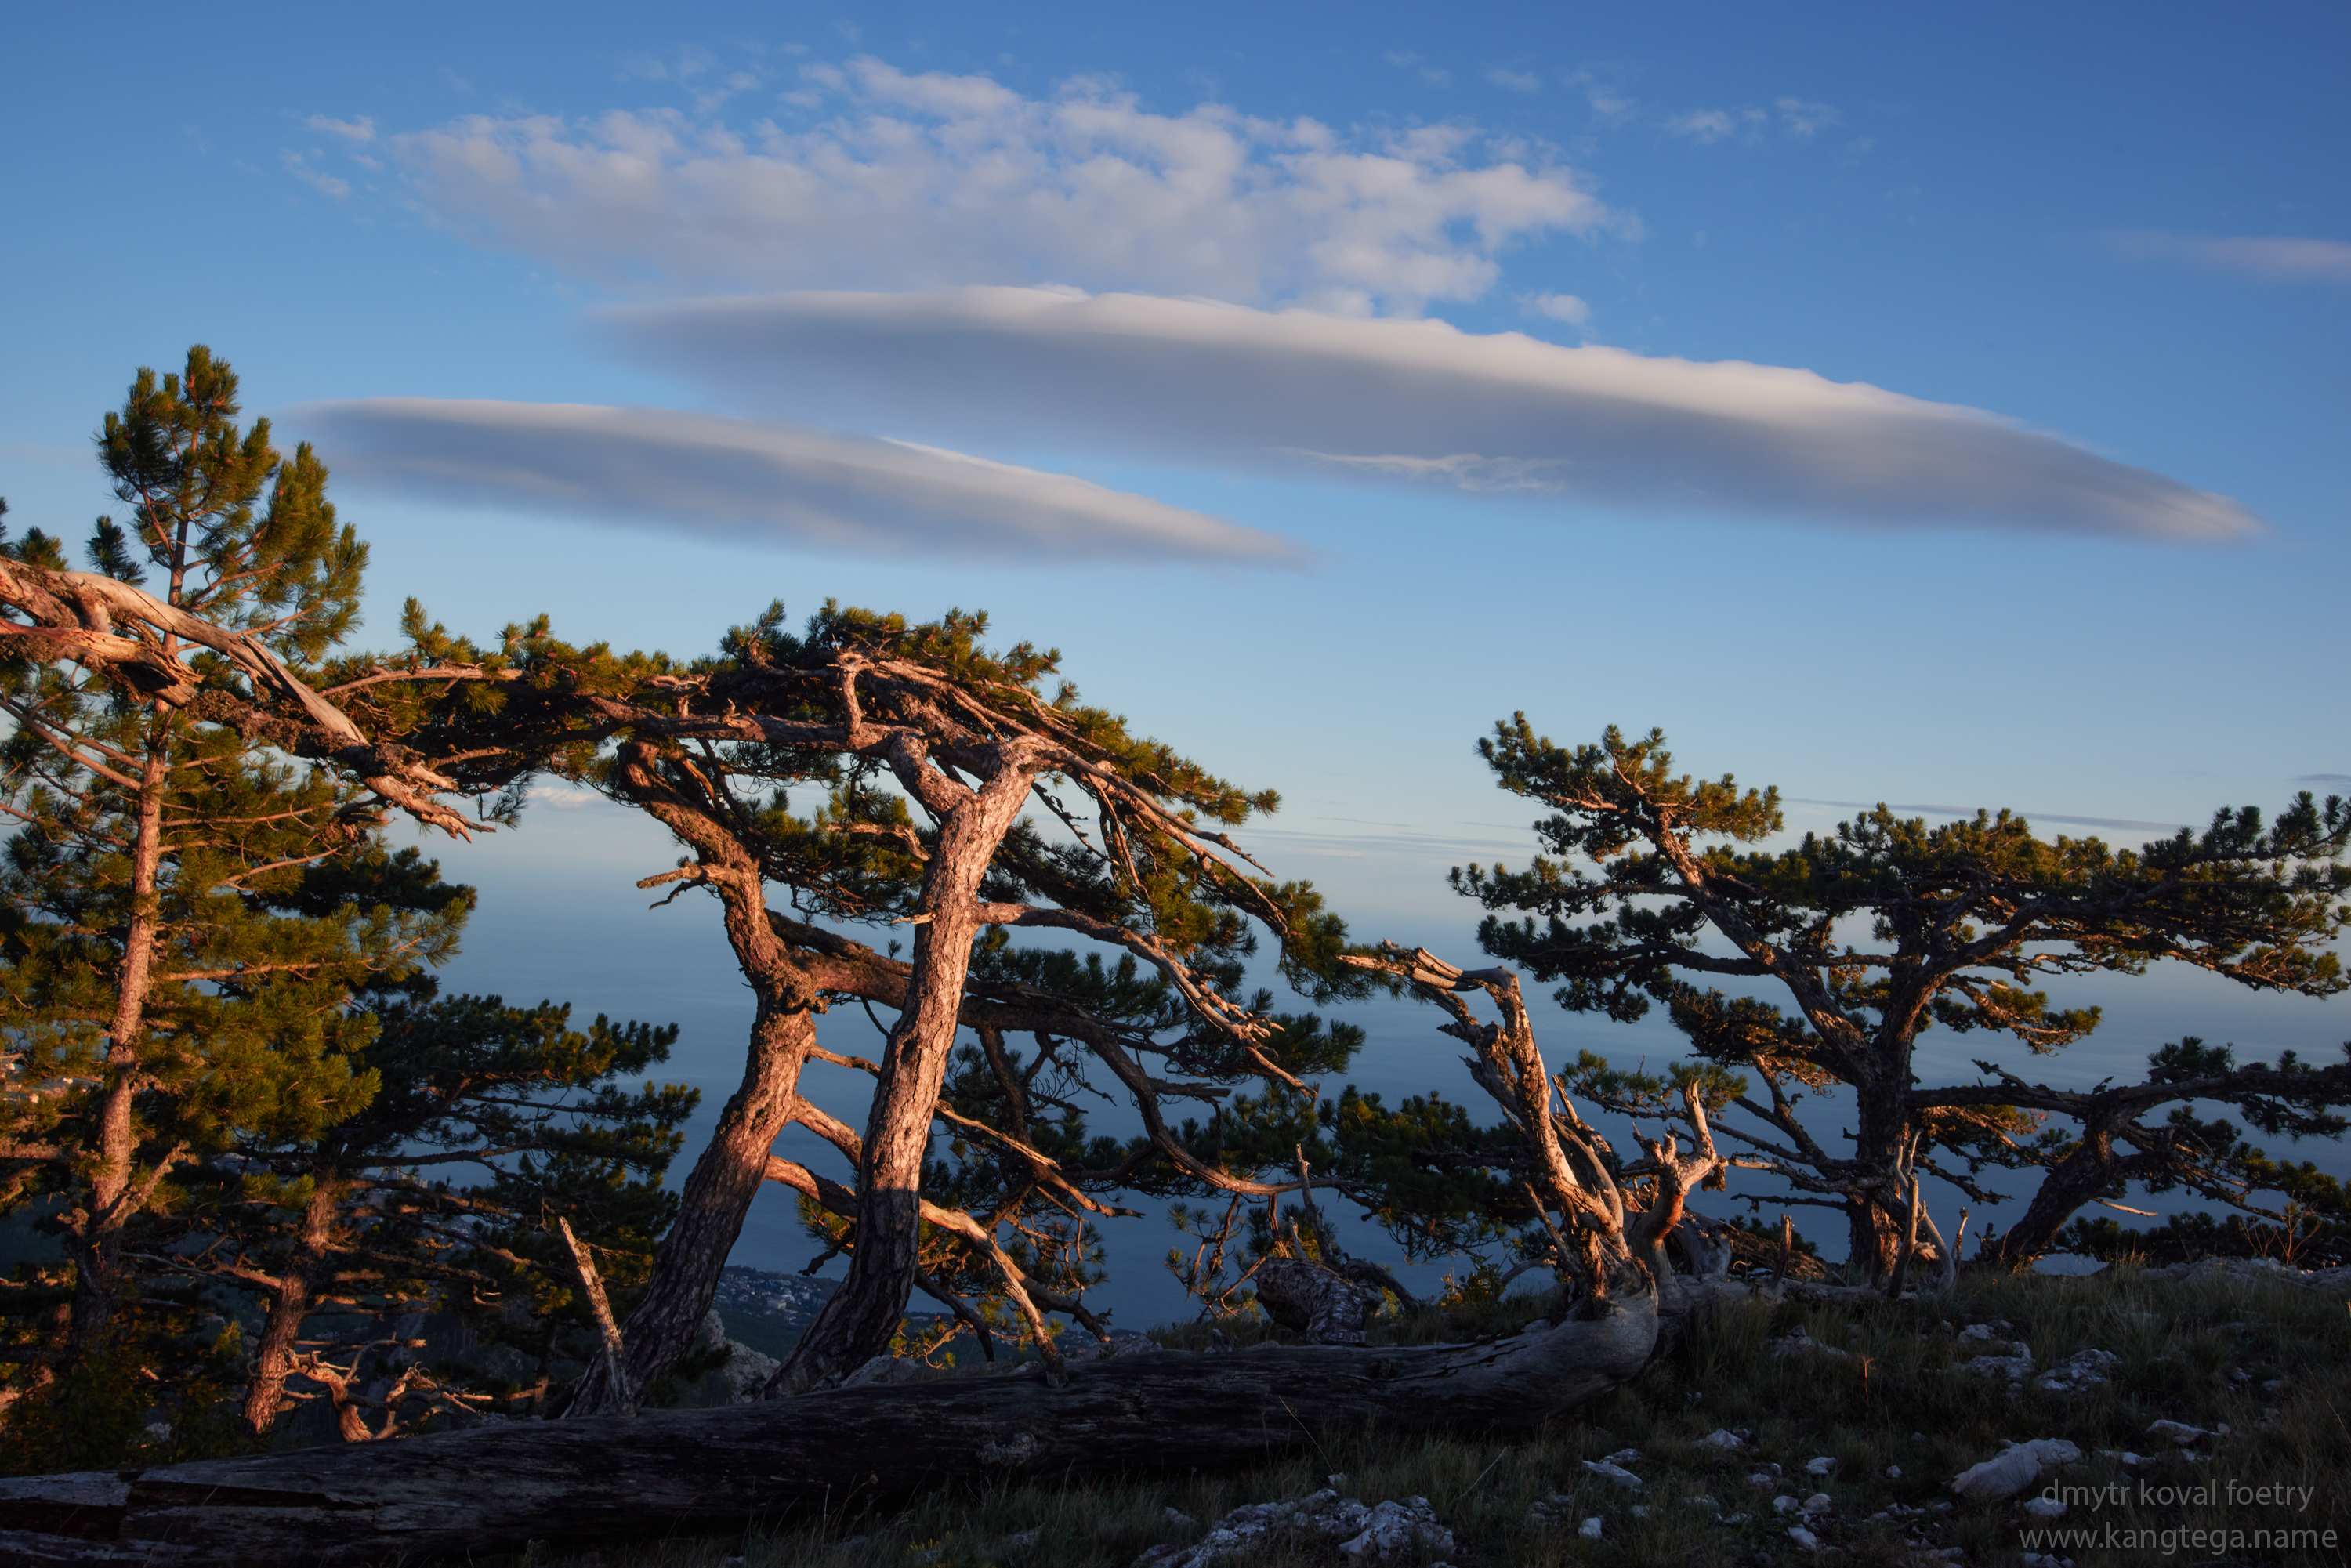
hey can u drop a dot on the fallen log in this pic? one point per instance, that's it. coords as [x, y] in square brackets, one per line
[607, 1477]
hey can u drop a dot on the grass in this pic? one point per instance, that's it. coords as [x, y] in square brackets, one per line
[2197, 1352]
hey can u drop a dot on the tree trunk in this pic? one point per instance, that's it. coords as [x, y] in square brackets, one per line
[2090, 1172]
[717, 1194]
[672, 1472]
[96, 1244]
[289, 1304]
[727, 1177]
[1875, 1215]
[856, 1323]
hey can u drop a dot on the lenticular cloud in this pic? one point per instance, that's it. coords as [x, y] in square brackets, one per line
[1305, 392]
[741, 479]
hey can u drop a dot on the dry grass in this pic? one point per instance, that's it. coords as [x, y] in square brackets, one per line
[2198, 1353]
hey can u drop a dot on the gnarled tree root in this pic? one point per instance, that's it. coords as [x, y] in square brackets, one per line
[666, 1472]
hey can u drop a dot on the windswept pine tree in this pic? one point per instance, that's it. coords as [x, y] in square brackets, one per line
[159, 989]
[1861, 939]
[878, 771]
[225, 1070]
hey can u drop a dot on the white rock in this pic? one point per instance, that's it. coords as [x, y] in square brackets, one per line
[1976, 1334]
[745, 1370]
[1721, 1437]
[2180, 1432]
[1324, 1513]
[1589, 1529]
[2332, 1281]
[1783, 1503]
[1820, 1467]
[1804, 1538]
[1625, 1457]
[1894, 1472]
[2013, 1468]
[2014, 1368]
[1612, 1471]
[1818, 1503]
[2045, 1508]
[2083, 1369]
[2045, 1560]
[1407, 1526]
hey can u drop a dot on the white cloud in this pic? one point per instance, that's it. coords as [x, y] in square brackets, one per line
[1564, 307]
[927, 180]
[1516, 80]
[739, 479]
[1611, 103]
[1300, 392]
[359, 129]
[2274, 259]
[1705, 125]
[554, 794]
[1801, 120]
[300, 167]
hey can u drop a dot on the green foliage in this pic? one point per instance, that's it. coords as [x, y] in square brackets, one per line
[176, 956]
[1654, 889]
[214, 1010]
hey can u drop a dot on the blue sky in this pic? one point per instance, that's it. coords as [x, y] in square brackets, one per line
[1944, 409]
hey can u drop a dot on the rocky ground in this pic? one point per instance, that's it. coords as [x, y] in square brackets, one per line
[2192, 1414]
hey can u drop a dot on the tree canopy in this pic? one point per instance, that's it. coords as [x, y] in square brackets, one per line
[1848, 946]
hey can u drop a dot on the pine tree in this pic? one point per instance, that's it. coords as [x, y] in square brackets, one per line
[167, 976]
[360, 1223]
[875, 770]
[1870, 934]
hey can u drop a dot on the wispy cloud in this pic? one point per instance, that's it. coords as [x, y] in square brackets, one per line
[1299, 392]
[739, 479]
[1567, 308]
[920, 179]
[1611, 103]
[300, 167]
[1705, 125]
[1515, 79]
[2124, 824]
[2275, 259]
[1803, 120]
[1432, 75]
[1798, 119]
[363, 128]
[553, 794]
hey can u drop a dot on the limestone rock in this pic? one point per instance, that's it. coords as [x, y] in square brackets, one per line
[2013, 1468]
